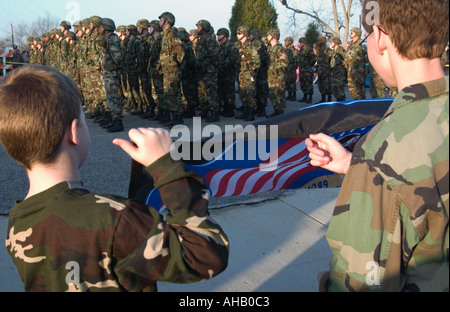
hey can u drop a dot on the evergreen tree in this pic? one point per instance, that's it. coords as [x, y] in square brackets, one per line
[312, 33]
[259, 14]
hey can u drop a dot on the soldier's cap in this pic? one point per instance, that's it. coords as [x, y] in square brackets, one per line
[77, 23]
[155, 25]
[95, 20]
[108, 24]
[205, 25]
[223, 31]
[357, 31]
[122, 29]
[289, 39]
[256, 33]
[302, 40]
[243, 30]
[143, 23]
[181, 29]
[193, 32]
[275, 33]
[85, 23]
[336, 40]
[168, 17]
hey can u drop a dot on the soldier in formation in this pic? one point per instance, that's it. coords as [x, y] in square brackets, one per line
[291, 71]
[338, 70]
[306, 60]
[324, 69]
[279, 62]
[356, 65]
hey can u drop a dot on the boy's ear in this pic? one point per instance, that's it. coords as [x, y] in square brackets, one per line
[73, 136]
[380, 40]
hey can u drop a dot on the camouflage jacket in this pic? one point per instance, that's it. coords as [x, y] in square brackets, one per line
[172, 52]
[278, 62]
[228, 59]
[250, 60]
[291, 53]
[95, 50]
[389, 230]
[355, 59]
[69, 239]
[112, 51]
[305, 59]
[337, 63]
[132, 54]
[324, 55]
[155, 51]
[207, 52]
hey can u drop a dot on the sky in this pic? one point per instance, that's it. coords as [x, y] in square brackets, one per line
[124, 12]
[187, 12]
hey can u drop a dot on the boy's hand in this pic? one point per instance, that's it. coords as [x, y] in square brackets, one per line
[328, 153]
[149, 144]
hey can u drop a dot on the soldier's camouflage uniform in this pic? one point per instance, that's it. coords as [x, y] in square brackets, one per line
[69, 239]
[376, 84]
[305, 61]
[356, 70]
[276, 76]
[207, 53]
[189, 80]
[112, 50]
[338, 74]
[291, 71]
[133, 54]
[228, 66]
[95, 84]
[250, 61]
[262, 84]
[324, 54]
[170, 59]
[144, 75]
[157, 77]
[389, 230]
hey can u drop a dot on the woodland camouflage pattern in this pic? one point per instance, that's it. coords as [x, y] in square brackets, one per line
[119, 244]
[398, 220]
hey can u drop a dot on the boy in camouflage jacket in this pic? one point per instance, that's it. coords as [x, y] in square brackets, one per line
[61, 236]
[389, 230]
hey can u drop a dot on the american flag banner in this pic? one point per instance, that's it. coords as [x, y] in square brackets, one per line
[250, 165]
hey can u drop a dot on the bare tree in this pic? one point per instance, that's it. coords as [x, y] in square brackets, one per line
[341, 18]
[33, 29]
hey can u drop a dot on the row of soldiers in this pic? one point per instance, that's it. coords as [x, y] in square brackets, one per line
[166, 73]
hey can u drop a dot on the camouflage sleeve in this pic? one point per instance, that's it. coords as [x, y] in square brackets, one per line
[187, 246]
[389, 230]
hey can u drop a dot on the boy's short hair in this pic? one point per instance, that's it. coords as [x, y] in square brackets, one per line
[417, 28]
[37, 105]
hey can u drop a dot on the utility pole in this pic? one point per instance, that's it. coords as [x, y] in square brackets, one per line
[12, 35]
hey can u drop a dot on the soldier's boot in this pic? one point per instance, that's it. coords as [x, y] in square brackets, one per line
[289, 96]
[250, 116]
[213, 117]
[100, 118]
[260, 112]
[302, 100]
[177, 119]
[241, 114]
[151, 113]
[189, 112]
[294, 96]
[107, 121]
[309, 99]
[275, 113]
[329, 98]
[138, 110]
[323, 99]
[165, 116]
[228, 112]
[158, 115]
[116, 126]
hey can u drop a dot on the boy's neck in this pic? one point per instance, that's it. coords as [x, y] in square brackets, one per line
[43, 177]
[411, 72]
